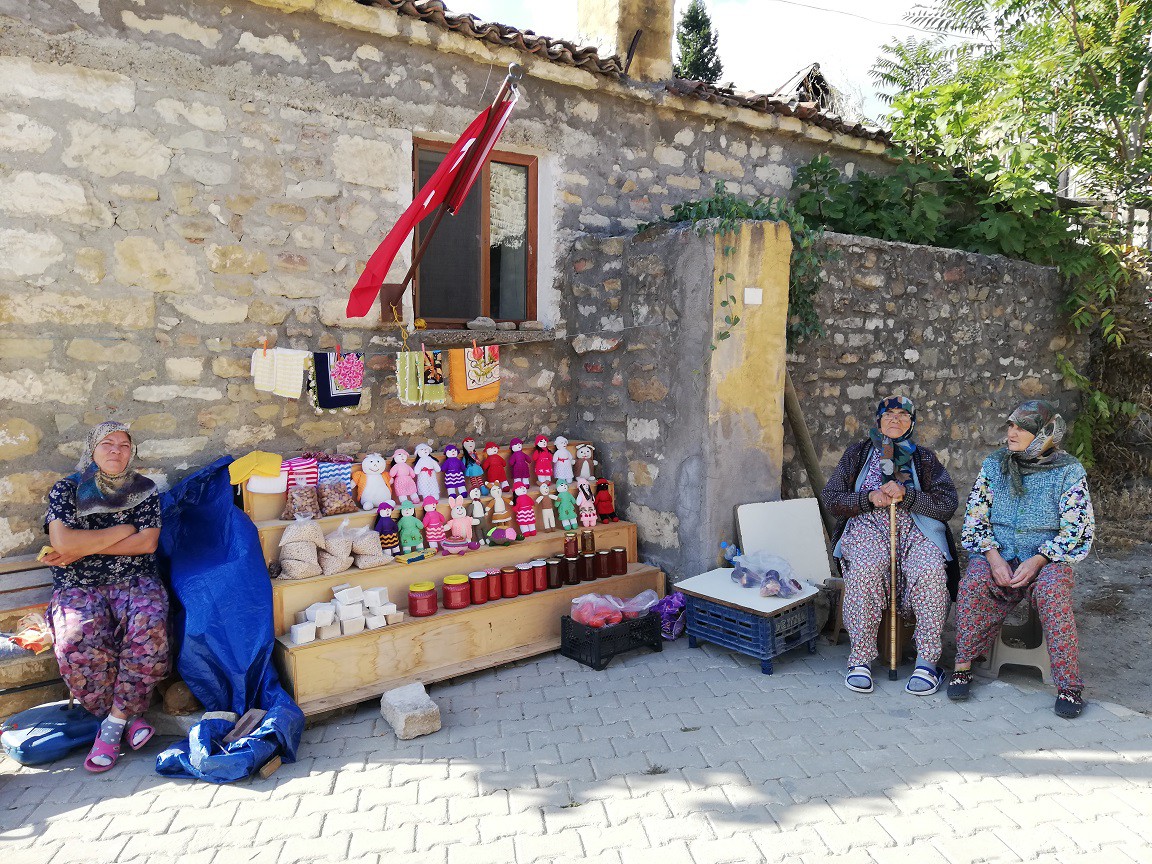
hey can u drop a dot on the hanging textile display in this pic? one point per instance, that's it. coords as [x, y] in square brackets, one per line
[434, 392]
[474, 374]
[336, 380]
[409, 376]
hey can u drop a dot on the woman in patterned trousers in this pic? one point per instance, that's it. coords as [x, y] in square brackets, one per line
[885, 468]
[1028, 519]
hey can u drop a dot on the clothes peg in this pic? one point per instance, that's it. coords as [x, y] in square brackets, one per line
[265, 346]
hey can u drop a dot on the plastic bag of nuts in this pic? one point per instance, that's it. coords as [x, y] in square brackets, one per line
[335, 499]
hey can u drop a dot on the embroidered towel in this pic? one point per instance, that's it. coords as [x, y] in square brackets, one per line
[474, 374]
[409, 376]
[290, 372]
[337, 379]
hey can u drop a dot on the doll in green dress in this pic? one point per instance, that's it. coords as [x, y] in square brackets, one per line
[411, 529]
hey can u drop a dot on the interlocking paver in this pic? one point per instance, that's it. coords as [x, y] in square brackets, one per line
[687, 756]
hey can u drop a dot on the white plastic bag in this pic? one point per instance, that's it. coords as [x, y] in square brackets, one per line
[770, 574]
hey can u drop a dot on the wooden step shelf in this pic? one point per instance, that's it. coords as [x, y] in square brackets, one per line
[290, 596]
[345, 670]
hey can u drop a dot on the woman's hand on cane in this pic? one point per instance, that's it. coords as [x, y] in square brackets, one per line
[894, 491]
[879, 498]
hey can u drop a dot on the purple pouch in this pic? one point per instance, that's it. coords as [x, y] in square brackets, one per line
[672, 614]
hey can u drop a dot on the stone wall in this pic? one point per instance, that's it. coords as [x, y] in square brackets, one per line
[965, 336]
[185, 180]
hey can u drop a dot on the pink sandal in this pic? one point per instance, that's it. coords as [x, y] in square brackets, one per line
[135, 727]
[101, 748]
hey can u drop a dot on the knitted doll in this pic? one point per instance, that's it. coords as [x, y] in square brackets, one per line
[499, 517]
[410, 528]
[427, 468]
[460, 525]
[562, 460]
[495, 469]
[542, 460]
[585, 462]
[605, 506]
[453, 467]
[547, 504]
[403, 477]
[525, 509]
[566, 506]
[370, 482]
[433, 523]
[386, 527]
[518, 463]
[478, 516]
[587, 512]
[473, 473]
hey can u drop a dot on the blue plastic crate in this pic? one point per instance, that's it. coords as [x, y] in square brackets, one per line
[761, 636]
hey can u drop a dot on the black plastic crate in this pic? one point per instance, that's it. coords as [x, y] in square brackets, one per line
[596, 646]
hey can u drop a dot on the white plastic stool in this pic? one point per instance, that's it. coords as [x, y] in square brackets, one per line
[1002, 653]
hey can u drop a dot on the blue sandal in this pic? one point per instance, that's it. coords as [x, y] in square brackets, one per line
[930, 676]
[863, 676]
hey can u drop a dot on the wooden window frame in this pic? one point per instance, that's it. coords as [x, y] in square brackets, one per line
[531, 163]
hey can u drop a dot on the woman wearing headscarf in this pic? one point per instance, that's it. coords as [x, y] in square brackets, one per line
[889, 467]
[109, 610]
[1028, 519]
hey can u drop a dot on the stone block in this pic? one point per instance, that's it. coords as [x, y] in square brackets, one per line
[328, 631]
[351, 626]
[109, 151]
[376, 597]
[410, 711]
[18, 438]
[302, 634]
[349, 594]
[30, 487]
[348, 611]
[27, 253]
[102, 92]
[171, 448]
[207, 117]
[213, 310]
[358, 160]
[19, 132]
[169, 269]
[322, 614]
[26, 387]
[374, 622]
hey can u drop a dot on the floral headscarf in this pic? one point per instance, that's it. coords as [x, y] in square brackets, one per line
[1043, 454]
[97, 492]
[895, 453]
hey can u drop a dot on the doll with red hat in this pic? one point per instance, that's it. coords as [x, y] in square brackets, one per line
[495, 468]
[605, 506]
[542, 460]
[433, 523]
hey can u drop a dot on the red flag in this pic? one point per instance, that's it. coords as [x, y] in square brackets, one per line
[448, 186]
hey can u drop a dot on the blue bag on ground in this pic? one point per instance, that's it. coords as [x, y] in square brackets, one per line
[222, 636]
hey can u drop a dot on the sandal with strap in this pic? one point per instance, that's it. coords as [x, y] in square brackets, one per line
[1069, 704]
[929, 675]
[861, 673]
[960, 685]
[137, 728]
[101, 748]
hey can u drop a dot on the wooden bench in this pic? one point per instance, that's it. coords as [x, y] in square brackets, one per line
[26, 586]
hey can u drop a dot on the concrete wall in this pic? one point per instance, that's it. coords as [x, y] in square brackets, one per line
[695, 431]
[183, 180]
[965, 336]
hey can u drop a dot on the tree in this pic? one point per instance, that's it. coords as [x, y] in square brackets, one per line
[699, 59]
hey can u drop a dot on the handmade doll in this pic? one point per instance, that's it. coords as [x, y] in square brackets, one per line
[473, 473]
[478, 516]
[499, 517]
[566, 506]
[495, 469]
[433, 523]
[562, 460]
[525, 509]
[459, 527]
[453, 467]
[605, 506]
[542, 460]
[427, 468]
[370, 482]
[547, 509]
[403, 477]
[410, 528]
[518, 463]
[585, 463]
[387, 529]
[587, 512]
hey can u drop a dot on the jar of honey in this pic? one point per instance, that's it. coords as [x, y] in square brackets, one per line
[584, 567]
[619, 561]
[571, 544]
[602, 565]
[457, 594]
[509, 582]
[571, 569]
[587, 540]
[422, 599]
[555, 578]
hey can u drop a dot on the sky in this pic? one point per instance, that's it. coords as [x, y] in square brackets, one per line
[762, 42]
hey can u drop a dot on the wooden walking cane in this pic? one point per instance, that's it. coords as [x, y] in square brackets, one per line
[893, 605]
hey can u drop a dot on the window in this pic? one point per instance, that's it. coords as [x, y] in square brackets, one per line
[482, 261]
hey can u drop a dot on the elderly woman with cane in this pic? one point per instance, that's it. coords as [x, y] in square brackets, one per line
[885, 485]
[109, 610]
[1028, 519]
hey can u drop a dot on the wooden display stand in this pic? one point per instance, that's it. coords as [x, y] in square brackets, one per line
[332, 673]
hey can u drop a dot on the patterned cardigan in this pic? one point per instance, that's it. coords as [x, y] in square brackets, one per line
[937, 498]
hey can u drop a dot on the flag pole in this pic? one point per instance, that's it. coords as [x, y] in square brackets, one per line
[396, 291]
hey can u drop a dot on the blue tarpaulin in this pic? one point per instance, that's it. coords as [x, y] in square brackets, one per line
[222, 636]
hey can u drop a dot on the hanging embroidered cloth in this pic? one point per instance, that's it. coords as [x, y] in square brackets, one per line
[337, 379]
[474, 374]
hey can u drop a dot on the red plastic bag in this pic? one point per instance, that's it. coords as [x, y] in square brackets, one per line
[596, 610]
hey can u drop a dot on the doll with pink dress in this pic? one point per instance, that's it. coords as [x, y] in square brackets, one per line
[403, 477]
[525, 509]
[433, 523]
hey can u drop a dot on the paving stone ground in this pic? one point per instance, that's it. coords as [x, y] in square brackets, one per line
[685, 756]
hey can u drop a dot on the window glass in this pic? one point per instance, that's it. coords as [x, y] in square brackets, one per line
[450, 269]
[508, 241]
